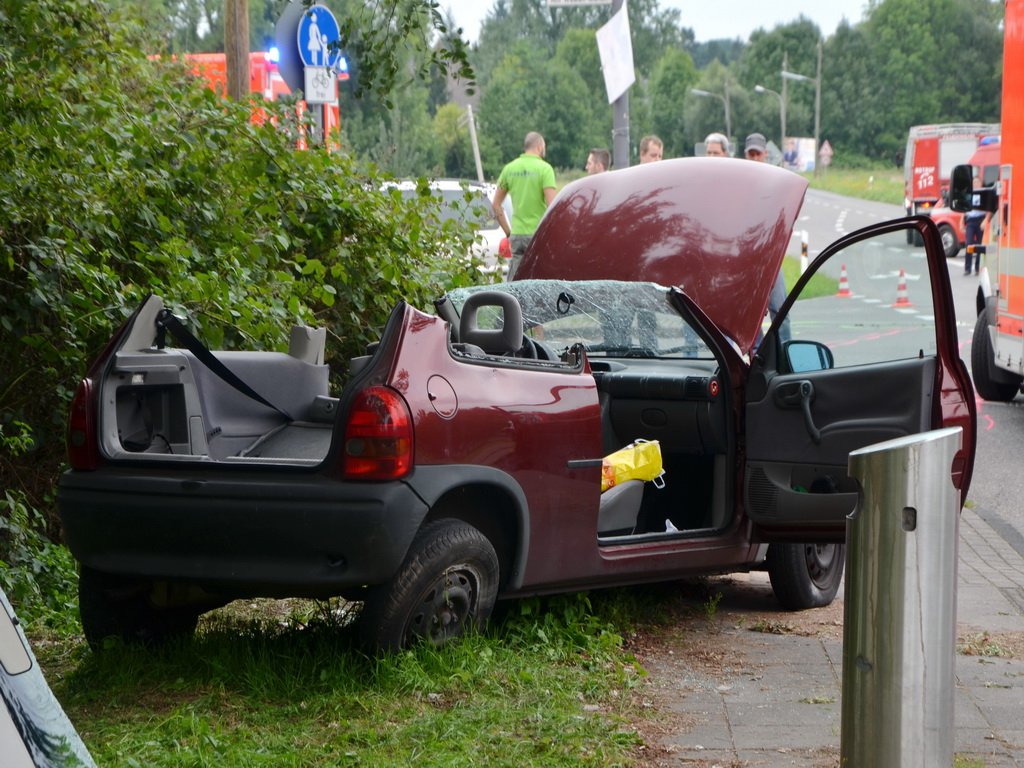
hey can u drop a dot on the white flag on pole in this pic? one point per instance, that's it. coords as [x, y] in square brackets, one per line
[616, 49]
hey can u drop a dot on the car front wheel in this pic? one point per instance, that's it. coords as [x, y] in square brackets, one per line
[120, 607]
[805, 575]
[446, 587]
[950, 242]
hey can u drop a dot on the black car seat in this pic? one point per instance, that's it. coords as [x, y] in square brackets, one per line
[506, 338]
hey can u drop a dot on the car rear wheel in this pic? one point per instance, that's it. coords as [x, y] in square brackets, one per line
[120, 607]
[1001, 390]
[805, 575]
[950, 242]
[446, 587]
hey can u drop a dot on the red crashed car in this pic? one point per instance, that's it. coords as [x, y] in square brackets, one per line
[460, 463]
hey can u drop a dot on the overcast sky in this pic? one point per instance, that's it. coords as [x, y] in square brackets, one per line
[709, 20]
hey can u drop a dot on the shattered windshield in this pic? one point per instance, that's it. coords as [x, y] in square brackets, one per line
[610, 318]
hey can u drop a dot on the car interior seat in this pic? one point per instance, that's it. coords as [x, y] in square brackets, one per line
[308, 344]
[506, 338]
[620, 507]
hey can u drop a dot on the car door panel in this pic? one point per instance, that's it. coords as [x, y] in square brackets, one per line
[885, 364]
[847, 409]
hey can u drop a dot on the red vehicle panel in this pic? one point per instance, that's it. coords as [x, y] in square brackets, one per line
[729, 250]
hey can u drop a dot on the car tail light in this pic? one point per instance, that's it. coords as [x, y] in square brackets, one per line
[82, 440]
[378, 436]
[505, 248]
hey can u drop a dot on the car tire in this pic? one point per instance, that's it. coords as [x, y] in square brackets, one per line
[1007, 386]
[950, 242]
[446, 587]
[120, 607]
[914, 237]
[805, 575]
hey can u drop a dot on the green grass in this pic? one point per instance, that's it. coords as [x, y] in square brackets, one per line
[884, 183]
[819, 285]
[551, 687]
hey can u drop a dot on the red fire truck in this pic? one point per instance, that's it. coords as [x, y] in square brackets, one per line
[264, 79]
[997, 349]
[932, 152]
[263, 75]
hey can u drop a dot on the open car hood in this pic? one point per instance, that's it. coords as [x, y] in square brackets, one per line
[718, 227]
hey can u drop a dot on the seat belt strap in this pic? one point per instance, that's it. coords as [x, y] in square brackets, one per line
[166, 321]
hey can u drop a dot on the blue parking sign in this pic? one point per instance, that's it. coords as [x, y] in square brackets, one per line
[318, 35]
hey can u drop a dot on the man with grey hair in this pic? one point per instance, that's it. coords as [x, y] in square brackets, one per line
[529, 181]
[716, 145]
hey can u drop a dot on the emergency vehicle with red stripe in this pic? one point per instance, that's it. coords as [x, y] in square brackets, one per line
[997, 351]
[264, 79]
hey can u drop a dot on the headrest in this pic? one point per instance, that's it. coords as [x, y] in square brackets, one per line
[507, 338]
[308, 344]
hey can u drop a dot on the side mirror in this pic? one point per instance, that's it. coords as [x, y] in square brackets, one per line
[808, 356]
[963, 196]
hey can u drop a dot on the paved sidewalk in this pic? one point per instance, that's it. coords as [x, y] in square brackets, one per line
[776, 699]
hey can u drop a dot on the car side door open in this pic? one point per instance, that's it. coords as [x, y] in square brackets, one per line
[872, 357]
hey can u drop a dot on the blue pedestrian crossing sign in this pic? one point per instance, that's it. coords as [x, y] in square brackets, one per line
[318, 37]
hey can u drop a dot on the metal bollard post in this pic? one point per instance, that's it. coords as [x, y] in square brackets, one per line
[899, 629]
[803, 251]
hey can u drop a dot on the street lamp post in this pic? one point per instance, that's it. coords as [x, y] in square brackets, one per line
[817, 103]
[725, 102]
[782, 114]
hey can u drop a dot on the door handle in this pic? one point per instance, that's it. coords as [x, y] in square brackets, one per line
[806, 395]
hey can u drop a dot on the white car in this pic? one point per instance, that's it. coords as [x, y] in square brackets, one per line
[34, 730]
[470, 202]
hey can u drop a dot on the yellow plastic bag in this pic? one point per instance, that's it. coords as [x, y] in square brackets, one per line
[640, 460]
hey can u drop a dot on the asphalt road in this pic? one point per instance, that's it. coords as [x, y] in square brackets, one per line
[998, 485]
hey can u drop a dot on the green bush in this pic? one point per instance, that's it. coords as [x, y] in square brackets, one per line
[35, 573]
[125, 176]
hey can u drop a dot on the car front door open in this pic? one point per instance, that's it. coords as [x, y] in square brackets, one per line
[873, 356]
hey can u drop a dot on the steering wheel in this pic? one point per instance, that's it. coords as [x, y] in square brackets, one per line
[528, 350]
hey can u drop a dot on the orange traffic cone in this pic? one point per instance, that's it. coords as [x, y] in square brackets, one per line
[901, 292]
[844, 284]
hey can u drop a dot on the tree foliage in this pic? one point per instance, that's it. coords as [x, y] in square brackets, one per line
[879, 75]
[515, 30]
[673, 77]
[911, 46]
[790, 46]
[377, 34]
[125, 176]
[529, 93]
